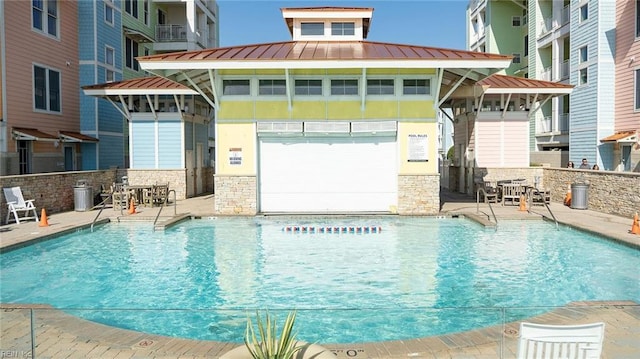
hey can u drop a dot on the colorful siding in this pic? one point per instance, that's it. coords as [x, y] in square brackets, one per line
[627, 62]
[170, 144]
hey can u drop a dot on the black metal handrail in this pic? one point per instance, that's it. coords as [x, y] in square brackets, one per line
[166, 197]
[104, 204]
[484, 193]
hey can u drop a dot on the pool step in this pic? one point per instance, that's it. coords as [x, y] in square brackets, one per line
[166, 222]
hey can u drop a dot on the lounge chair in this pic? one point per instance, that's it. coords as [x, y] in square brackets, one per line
[16, 203]
[560, 341]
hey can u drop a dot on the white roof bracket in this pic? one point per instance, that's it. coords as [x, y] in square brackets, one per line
[124, 110]
[531, 113]
[455, 86]
[152, 106]
[212, 76]
[197, 88]
[178, 104]
[363, 88]
[287, 85]
[506, 105]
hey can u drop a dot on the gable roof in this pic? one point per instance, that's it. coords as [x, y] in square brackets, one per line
[364, 13]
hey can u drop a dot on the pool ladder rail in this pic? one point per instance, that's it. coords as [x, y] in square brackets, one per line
[484, 195]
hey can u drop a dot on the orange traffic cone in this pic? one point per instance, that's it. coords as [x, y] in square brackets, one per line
[44, 222]
[635, 227]
[132, 207]
[523, 204]
[567, 197]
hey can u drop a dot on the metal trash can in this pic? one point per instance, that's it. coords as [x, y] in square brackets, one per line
[579, 195]
[82, 196]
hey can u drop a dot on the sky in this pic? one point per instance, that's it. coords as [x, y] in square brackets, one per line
[436, 23]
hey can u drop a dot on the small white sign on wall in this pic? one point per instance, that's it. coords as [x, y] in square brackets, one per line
[418, 148]
[235, 156]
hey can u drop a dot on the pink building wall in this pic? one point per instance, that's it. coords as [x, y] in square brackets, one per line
[627, 62]
[26, 47]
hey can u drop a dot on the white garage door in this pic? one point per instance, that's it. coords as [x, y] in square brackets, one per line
[328, 175]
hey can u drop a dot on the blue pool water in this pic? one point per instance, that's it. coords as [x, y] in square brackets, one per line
[416, 277]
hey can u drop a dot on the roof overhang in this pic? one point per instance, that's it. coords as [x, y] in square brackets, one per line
[136, 35]
[31, 134]
[623, 137]
[70, 136]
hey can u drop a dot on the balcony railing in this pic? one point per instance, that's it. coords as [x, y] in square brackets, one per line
[546, 74]
[547, 125]
[565, 15]
[171, 32]
[564, 70]
[563, 122]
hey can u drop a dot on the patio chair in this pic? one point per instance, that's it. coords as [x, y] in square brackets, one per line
[560, 341]
[16, 203]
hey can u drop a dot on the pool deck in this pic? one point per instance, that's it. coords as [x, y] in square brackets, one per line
[59, 335]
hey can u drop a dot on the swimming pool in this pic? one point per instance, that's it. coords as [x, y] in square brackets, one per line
[411, 277]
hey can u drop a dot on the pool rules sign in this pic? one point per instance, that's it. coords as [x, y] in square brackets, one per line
[418, 148]
[235, 156]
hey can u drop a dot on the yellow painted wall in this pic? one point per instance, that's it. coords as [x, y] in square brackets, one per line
[416, 168]
[309, 110]
[236, 135]
[272, 110]
[381, 109]
[236, 110]
[343, 110]
[417, 109]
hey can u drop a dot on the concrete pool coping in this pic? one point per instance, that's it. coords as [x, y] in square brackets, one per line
[67, 336]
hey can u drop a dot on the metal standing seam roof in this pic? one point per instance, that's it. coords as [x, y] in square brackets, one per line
[622, 136]
[323, 50]
[143, 85]
[510, 84]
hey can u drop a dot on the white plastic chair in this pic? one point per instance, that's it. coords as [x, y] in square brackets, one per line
[16, 203]
[542, 341]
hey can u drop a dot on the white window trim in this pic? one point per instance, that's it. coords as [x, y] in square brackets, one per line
[252, 90]
[514, 19]
[400, 84]
[270, 96]
[45, 20]
[381, 96]
[580, 60]
[48, 69]
[580, 83]
[580, 6]
[635, 29]
[308, 97]
[346, 78]
[636, 90]
[357, 30]
[109, 4]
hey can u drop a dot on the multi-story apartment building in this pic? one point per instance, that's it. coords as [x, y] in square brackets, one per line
[568, 41]
[624, 144]
[115, 33]
[40, 128]
[49, 49]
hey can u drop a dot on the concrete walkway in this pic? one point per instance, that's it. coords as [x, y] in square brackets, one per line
[59, 335]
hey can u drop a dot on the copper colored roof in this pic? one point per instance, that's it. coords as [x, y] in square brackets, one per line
[146, 83]
[323, 50]
[618, 136]
[33, 134]
[71, 136]
[496, 81]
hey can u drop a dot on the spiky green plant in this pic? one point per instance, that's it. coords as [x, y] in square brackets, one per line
[266, 344]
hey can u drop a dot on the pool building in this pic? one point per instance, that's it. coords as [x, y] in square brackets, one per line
[331, 123]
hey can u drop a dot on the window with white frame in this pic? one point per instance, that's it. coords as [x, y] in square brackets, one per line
[637, 18]
[308, 87]
[583, 76]
[312, 28]
[515, 21]
[344, 87]
[145, 11]
[583, 54]
[342, 28]
[110, 60]
[108, 11]
[416, 87]
[637, 90]
[516, 58]
[45, 16]
[380, 87]
[584, 12]
[131, 52]
[46, 89]
[272, 87]
[236, 87]
[131, 7]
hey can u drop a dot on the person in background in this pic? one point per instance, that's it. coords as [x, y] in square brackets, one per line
[584, 165]
[595, 167]
[570, 164]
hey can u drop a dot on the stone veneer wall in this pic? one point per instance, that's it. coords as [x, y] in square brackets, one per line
[175, 178]
[418, 194]
[235, 195]
[609, 192]
[54, 191]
